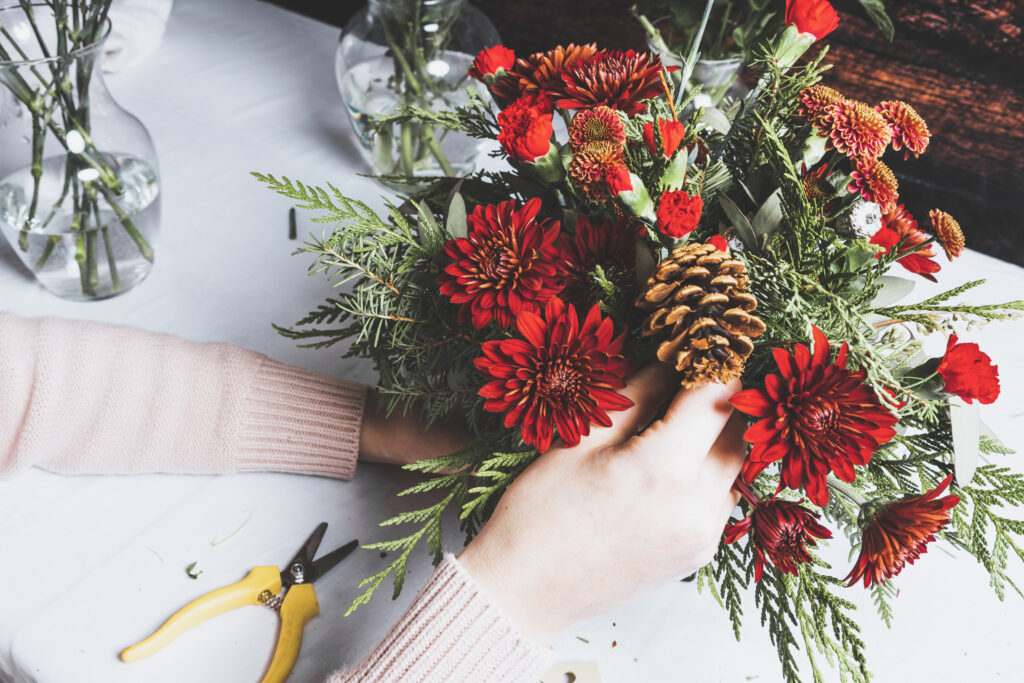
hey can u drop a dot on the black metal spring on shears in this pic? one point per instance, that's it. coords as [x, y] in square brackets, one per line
[270, 600]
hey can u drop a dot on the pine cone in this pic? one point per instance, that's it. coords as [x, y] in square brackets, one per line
[699, 296]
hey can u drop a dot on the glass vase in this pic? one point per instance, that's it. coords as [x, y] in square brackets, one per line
[79, 184]
[397, 53]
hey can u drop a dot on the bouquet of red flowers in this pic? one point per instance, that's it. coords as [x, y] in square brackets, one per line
[752, 241]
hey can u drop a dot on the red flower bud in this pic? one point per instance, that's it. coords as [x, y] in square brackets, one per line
[678, 213]
[619, 180]
[816, 17]
[719, 243]
[492, 63]
[526, 128]
[672, 134]
[968, 372]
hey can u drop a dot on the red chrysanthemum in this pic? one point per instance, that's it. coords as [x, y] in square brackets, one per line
[948, 233]
[908, 128]
[591, 165]
[525, 128]
[780, 531]
[898, 224]
[719, 242]
[678, 213]
[968, 372]
[672, 134]
[563, 374]
[611, 245]
[817, 417]
[600, 124]
[899, 533]
[815, 101]
[506, 265]
[816, 17]
[616, 79]
[492, 63]
[875, 182]
[855, 129]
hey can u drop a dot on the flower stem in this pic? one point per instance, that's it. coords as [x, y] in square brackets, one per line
[848, 491]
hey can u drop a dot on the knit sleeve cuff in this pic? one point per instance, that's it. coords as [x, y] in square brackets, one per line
[296, 420]
[452, 632]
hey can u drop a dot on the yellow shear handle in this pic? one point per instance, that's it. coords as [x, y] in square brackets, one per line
[299, 607]
[245, 592]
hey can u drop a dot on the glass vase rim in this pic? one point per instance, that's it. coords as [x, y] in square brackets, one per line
[74, 54]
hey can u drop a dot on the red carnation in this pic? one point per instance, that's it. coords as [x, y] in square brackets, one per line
[492, 63]
[816, 17]
[719, 242]
[526, 131]
[817, 417]
[780, 532]
[619, 180]
[898, 224]
[899, 533]
[506, 265]
[672, 134]
[611, 245]
[678, 213]
[562, 374]
[968, 372]
[615, 79]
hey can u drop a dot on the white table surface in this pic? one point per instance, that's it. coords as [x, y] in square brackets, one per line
[91, 564]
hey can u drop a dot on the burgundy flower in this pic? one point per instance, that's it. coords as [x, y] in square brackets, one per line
[611, 245]
[817, 417]
[525, 128]
[506, 265]
[615, 79]
[968, 372]
[899, 533]
[561, 375]
[780, 532]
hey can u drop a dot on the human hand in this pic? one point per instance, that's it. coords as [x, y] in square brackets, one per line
[590, 528]
[401, 439]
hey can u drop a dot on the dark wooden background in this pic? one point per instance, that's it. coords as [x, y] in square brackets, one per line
[960, 63]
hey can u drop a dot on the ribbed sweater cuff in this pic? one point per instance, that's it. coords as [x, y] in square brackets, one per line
[451, 633]
[296, 420]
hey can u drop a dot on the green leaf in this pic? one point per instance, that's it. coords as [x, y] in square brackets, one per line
[769, 216]
[893, 289]
[965, 423]
[739, 222]
[456, 223]
[716, 119]
[190, 570]
[876, 10]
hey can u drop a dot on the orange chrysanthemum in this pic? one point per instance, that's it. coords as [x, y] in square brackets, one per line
[908, 128]
[615, 78]
[875, 182]
[541, 72]
[816, 185]
[814, 101]
[590, 167]
[600, 124]
[899, 532]
[855, 129]
[947, 232]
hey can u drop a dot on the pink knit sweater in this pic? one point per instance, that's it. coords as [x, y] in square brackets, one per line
[87, 398]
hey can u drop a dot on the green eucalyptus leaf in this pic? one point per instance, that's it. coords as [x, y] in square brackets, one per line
[965, 423]
[876, 10]
[716, 119]
[739, 222]
[859, 255]
[893, 289]
[769, 216]
[456, 223]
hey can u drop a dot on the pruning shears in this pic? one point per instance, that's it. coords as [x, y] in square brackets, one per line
[262, 586]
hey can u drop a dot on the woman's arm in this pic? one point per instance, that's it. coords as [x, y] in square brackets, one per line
[581, 531]
[80, 397]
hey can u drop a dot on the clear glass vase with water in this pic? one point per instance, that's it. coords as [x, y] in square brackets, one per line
[79, 183]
